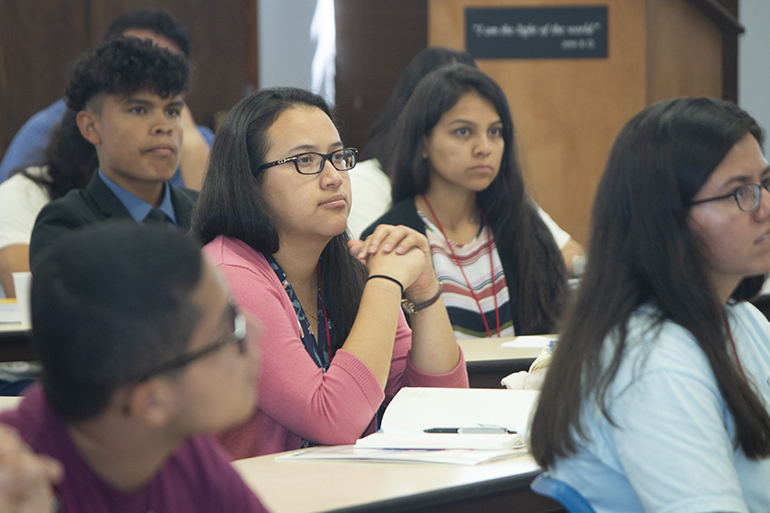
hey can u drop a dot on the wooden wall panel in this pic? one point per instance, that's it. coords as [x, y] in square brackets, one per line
[730, 56]
[684, 52]
[375, 41]
[38, 39]
[566, 112]
[219, 47]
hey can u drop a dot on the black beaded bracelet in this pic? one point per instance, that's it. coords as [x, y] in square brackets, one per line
[391, 278]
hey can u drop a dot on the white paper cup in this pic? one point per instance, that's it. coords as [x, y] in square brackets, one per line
[22, 282]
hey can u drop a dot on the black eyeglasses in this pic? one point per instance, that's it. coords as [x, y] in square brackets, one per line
[747, 196]
[238, 336]
[312, 163]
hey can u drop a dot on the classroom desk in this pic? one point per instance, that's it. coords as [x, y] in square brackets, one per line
[357, 486]
[489, 362]
[16, 343]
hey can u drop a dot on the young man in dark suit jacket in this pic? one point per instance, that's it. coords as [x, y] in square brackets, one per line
[126, 93]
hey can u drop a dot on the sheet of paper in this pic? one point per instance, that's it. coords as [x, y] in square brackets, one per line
[9, 311]
[413, 410]
[528, 341]
[416, 409]
[450, 456]
[482, 442]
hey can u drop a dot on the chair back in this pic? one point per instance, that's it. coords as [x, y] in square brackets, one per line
[561, 492]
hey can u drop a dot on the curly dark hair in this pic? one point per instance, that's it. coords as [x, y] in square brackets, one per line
[155, 20]
[123, 66]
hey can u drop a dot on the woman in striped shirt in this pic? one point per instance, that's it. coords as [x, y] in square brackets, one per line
[456, 178]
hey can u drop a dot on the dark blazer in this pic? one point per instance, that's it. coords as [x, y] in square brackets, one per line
[405, 213]
[96, 203]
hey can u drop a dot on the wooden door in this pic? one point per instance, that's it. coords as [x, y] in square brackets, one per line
[40, 38]
[376, 39]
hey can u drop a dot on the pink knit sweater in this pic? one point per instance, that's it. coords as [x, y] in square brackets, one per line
[296, 398]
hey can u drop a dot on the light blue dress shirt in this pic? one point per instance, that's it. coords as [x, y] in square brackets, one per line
[137, 207]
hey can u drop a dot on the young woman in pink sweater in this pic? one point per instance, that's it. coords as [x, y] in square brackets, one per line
[336, 346]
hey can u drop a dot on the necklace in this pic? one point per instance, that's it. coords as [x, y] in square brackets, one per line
[465, 277]
[315, 346]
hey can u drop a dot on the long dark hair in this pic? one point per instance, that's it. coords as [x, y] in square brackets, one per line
[641, 249]
[231, 204]
[70, 158]
[380, 145]
[518, 229]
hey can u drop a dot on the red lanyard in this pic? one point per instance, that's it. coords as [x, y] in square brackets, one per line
[467, 282]
[326, 320]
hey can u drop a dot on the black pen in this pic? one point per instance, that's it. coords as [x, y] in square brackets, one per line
[491, 430]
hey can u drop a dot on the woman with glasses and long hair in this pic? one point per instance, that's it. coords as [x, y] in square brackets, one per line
[336, 347]
[456, 179]
[657, 395]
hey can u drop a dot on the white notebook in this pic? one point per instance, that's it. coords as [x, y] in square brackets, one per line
[503, 414]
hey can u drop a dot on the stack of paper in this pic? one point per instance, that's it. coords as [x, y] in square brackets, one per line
[9, 311]
[354, 453]
[408, 440]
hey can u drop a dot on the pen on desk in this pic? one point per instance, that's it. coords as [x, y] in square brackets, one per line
[472, 430]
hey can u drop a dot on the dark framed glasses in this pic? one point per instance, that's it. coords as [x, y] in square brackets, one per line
[312, 163]
[238, 336]
[747, 196]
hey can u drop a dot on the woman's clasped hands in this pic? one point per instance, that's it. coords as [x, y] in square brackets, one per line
[400, 253]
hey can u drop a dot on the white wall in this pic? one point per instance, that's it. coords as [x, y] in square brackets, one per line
[754, 61]
[285, 49]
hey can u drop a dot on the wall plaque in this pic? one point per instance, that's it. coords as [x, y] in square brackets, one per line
[578, 32]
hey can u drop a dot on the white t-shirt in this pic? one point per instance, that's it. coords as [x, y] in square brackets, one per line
[371, 198]
[371, 195]
[21, 200]
[672, 449]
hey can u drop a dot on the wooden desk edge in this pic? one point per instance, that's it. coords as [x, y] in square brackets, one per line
[489, 486]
